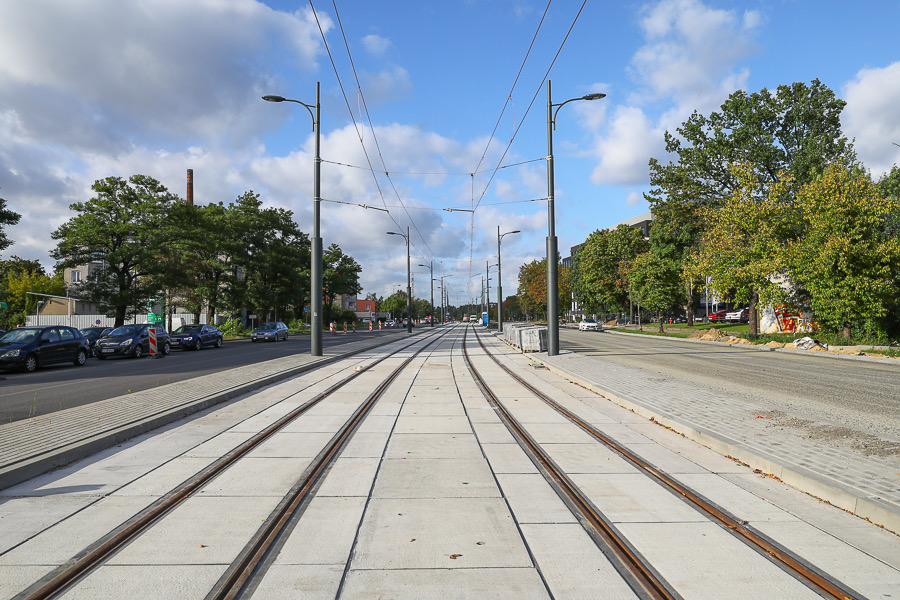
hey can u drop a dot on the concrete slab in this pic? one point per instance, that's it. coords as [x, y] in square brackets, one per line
[436, 478]
[14, 579]
[292, 445]
[221, 444]
[559, 433]
[432, 425]
[350, 477]
[508, 458]
[493, 433]
[332, 523]
[703, 561]
[865, 574]
[435, 445]
[450, 407]
[588, 458]
[289, 582]
[165, 478]
[482, 414]
[315, 423]
[734, 499]
[634, 498]
[257, 477]
[532, 500]
[665, 459]
[572, 564]
[700, 455]
[185, 582]
[195, 534]
[59, 543]
[443, 584]
[377, 424]
[470, 533]
[365, 445]
[22, 518]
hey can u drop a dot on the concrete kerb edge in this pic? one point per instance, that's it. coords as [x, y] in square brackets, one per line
[878, 359]
[832, 492]
[29, 468]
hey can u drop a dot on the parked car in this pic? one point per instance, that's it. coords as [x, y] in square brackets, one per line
[30, 348]
[92, 334]
[623, 321]
[132, 340]
[588, 325]
[717, 317]
[194, 337]
[738, 315]
[270, 332]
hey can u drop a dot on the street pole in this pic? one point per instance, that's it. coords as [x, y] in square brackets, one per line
[487, 289]
[552, 267]
[315, 318]
[500, 280]
[408, 287]
[430, 266]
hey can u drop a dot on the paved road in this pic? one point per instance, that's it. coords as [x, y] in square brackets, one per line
[861, 395]
[24, 395]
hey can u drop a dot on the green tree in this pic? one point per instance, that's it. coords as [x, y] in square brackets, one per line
[601, 283]
[20, 302]
[794, 132]
[122, 227]
[395, 304]
[655, 283]
[744, 243]
[7, 217]
[340, 275]
[532, 291]
[844, 260]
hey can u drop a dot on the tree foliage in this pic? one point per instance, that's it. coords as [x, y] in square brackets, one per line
[844, 260]
[654, 282]
[7, 217]
[601, 280]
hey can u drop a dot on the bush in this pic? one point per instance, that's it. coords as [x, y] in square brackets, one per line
[232, 328]
[296, 326]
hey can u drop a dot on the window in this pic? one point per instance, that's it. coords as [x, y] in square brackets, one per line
[65, 333]
[76, 276]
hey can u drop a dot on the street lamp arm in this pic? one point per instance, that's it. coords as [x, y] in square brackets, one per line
[283, 99]
[596, 96]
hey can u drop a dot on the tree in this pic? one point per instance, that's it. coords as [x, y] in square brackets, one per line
[655, 283]
[7, 217]
[122, 227]
[601, 283]
[395, 304]
[532, 291]
[339, 276]
[844, 260]
[793, 133]
[743, 247]
[20, 302]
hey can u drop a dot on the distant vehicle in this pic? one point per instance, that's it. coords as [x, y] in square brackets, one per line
[739, 315]
[473, 317]
[194, 337]
[623, 321]
[717, 317]
[92, 334]
[132, 340]
[30, 348]
[270, 332]
[588, 325]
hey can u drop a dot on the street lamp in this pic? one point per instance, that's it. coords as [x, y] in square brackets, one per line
[487, 287]
[500, 281]
[443, 296]
[430, 266]
[408, 281]
[552, 267]
[315, 319]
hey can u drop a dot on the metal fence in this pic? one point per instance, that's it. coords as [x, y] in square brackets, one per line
[82, 321]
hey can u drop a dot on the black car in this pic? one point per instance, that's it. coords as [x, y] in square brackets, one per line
[92, 334]
[272, 331]
[32, 347]
[132, 340]
[194, 337]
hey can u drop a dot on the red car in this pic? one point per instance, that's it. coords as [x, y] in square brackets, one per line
[717, 317]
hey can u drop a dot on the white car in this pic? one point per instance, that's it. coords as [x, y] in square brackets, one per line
[588, 325]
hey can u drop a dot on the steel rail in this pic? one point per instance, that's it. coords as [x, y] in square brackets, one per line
[81, 566]
[642, 573]
[806, 573]
[242, 569]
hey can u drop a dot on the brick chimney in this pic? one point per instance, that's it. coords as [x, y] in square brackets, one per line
[190, 186]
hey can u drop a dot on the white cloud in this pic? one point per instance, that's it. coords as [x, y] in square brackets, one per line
[624, 151]
[871, 116]
[634, 199]
[375, 44]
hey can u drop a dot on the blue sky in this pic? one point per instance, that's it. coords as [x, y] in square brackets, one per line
[118, 87]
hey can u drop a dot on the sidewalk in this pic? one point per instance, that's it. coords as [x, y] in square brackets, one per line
[34, 446]
[866, 486]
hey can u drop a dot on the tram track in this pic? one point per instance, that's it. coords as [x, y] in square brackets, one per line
[238, 574]
[641, 572]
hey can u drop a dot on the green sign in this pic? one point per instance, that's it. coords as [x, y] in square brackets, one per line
[3, 305]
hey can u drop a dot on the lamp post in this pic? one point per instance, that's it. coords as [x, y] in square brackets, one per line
[552, 267]
[487, 287]
[315, 319]
[408, 281]
[430, 266]
[500, 280]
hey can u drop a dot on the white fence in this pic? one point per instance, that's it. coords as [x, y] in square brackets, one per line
[82, 321]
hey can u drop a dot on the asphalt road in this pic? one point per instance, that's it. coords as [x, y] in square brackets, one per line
[53, 388]
[860, 395]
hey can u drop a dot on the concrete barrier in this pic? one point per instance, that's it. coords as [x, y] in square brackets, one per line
[526, 337]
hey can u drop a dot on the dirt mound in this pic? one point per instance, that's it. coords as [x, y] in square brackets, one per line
[774, 344]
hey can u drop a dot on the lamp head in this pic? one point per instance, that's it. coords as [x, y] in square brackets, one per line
[595, 96]
[273, 98]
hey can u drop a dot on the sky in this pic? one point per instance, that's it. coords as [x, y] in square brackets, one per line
[426, 106]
